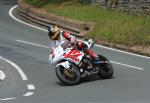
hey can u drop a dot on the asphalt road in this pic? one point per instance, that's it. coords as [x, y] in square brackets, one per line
[130, 83]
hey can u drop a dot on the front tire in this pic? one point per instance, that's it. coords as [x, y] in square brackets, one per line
[69, 76]
[106, 69]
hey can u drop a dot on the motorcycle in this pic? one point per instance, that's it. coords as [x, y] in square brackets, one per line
[73, 64]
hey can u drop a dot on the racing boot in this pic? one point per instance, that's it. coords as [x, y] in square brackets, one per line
[96, 60]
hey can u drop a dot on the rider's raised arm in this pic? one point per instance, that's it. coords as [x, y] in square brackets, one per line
[69, 37]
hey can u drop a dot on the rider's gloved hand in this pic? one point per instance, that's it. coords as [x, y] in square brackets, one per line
[91, 43]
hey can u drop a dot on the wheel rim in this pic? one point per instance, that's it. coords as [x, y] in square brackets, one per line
[69, 74]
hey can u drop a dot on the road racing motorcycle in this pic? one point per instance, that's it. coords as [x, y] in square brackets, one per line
[72, 64]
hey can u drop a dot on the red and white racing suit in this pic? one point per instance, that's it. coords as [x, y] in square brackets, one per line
[80, 45]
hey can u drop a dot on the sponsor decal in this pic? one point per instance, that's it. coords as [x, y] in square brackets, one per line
[73, 54]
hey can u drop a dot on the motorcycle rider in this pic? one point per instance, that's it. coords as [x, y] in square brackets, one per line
[57, 35]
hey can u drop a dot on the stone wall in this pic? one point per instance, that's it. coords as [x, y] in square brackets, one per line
[137, 7]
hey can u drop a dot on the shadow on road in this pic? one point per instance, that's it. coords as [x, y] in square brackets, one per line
[87, 80]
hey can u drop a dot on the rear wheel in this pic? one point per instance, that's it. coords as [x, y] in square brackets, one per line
[69, 76]
[106, 68]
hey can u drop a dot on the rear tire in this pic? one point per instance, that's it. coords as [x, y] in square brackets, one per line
[106, 69]
[66, 79]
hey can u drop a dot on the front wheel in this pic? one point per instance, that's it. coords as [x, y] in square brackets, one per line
[105, 69]
[69, 76]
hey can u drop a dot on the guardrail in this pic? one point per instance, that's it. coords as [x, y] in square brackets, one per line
[77, 28]
[30, 14]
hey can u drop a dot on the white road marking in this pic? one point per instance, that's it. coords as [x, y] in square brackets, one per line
[28, 94]
[127, 65]
[10, 13]
[122, 51]
[5, 99]
[24, 77]
[22, 74]
[32, 43]
[31, 86]
[48, 47]
[2, 75]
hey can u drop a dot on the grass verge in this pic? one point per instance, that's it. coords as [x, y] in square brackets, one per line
[110, 26]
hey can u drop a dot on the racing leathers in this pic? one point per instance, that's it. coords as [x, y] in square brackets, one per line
[80, 45]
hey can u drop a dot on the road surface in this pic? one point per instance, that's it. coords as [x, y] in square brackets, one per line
[31, 79]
